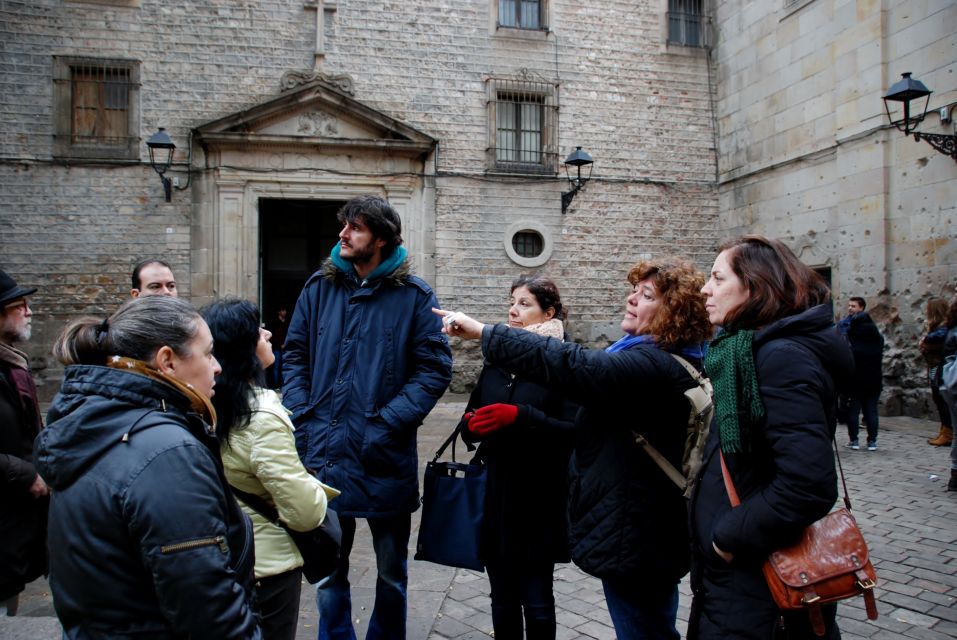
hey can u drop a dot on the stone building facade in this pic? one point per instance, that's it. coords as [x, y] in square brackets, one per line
[459, 113]
[806, 155]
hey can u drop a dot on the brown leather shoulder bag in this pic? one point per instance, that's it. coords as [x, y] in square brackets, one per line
[829, 563]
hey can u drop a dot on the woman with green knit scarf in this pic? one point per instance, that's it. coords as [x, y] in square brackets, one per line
[775, 366]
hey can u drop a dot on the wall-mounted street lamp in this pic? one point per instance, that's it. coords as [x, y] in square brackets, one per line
[577, 159]
[161, 157]
[909, 89]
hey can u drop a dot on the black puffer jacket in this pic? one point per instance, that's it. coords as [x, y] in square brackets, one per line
[527, 462]
[867, 344]
[627, 520]
[785, 483]
[145, 538]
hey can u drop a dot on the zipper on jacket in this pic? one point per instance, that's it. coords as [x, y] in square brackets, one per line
[195, 544]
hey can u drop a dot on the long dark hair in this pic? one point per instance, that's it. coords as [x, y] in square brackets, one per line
[234, 324]
[779, 284]
[137, 330]
[545, 292]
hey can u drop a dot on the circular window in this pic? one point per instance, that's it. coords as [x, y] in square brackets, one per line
[528, 243]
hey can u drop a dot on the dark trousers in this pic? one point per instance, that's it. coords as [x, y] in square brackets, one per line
[519, 592]
[278, 597]
[390, 540]
[942, 409]
[642, 612]
[867, 404]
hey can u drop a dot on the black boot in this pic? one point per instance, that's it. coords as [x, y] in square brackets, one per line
[952, 485]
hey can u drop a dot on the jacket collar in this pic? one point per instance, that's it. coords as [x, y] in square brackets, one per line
[395, 269]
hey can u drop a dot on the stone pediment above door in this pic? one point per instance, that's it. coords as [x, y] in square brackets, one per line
[318, 112]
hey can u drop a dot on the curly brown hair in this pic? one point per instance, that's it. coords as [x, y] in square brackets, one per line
[681, 319]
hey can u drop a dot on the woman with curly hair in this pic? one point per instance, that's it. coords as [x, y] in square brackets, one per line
[932, 347]
[627, 520]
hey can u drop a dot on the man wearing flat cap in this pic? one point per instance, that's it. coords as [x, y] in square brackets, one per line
[23, 493]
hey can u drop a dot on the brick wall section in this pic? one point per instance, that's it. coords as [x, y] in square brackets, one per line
[803, 156]
[644, 115]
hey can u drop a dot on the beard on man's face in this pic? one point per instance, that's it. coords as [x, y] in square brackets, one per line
[360, 255]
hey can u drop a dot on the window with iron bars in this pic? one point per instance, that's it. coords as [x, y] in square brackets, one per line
[96, 108]
[686, 22]
[524, 122]
[522, 14]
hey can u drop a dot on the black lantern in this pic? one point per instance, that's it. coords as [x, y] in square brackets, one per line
[909, 89]
[578, 159]
[161, 157]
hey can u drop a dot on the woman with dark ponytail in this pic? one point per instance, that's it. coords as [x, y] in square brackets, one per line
[145, 539]
[260, 458]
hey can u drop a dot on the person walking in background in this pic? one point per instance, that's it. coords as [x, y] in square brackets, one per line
[864, 391]
[365, 362]
[145, 538]
[775, 368]
[524, 430]
[627, 519]
[950, 349]
[23, 493]
[932, 346]
[259, 456]
[153, 277]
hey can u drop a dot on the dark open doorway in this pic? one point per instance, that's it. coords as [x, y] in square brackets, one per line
[295, 236]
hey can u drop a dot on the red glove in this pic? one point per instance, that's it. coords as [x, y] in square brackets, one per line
[492, 418]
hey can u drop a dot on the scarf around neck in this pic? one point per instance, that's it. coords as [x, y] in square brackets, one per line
[387, 266]
[694, 351]
[197, 402]
[730, 365]
[553, 328]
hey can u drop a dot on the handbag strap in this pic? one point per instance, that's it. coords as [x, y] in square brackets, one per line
[733, 494]
[259, 505]
[448, 441]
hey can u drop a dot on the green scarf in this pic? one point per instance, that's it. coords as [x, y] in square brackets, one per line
[730, 365]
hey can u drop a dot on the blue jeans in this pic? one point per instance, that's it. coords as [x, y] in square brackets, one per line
[522, 592]
[854, 406]
[390, 540]
[642, 613]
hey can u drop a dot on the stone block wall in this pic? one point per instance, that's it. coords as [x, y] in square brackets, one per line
[805, 156]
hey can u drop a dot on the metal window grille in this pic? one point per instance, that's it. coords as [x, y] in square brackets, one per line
[686, 22]
[528, 244]
[521, 14]
[525, 118]
[100, 96]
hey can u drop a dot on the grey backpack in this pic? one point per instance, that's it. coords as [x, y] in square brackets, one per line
[700, 414]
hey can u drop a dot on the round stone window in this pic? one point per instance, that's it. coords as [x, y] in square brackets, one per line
[528, 243]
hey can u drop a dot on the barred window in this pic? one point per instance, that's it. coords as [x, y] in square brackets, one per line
[528, 243]
[686, 22]
[96, 108]
[524, 122]
[522, 14]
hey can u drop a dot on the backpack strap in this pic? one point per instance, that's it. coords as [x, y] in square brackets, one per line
[699, 396]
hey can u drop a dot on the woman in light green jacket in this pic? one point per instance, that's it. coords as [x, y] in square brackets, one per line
[260, 458]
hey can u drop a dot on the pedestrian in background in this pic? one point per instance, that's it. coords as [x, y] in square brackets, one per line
[627, 520]
[775, 367]
[146, 540]
[864, 390]
[260, 458]
[524, 430]
[932, 348]
[23, 493]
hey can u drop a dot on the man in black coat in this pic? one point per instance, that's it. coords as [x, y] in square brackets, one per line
[867, 343]
[23, 493]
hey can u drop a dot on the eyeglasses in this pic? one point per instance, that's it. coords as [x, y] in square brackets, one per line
[19, 304]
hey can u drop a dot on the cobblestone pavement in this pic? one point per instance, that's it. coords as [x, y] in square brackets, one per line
[898, 496]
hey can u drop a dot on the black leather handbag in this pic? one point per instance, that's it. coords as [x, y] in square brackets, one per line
[319, 547]
[453, 506]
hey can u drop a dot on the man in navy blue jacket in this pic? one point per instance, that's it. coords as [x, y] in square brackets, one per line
[867, 343]
[365, 362]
